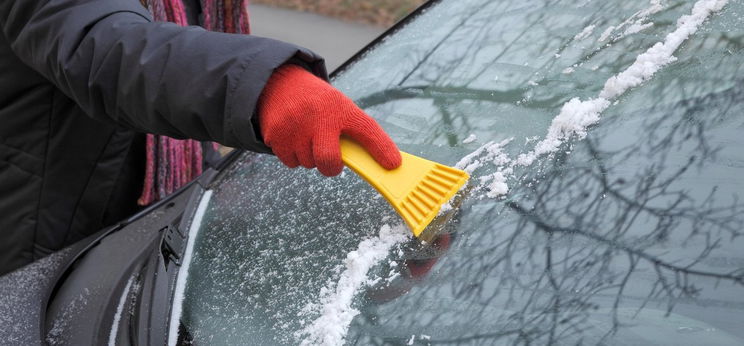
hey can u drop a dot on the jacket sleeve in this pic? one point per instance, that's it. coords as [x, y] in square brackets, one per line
[118, 65]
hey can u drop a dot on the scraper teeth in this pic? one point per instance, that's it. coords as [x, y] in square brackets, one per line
[410, 216]
[436, 186]
[432, 188]
[416, 191]
[422, 198]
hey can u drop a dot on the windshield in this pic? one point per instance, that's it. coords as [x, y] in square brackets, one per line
[603, 205]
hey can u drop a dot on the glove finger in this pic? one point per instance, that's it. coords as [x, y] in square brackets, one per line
[305, 155]
[287, 157]
[327, 153]
[367, 132]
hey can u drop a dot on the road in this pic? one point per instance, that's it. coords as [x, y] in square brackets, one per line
[333, 39]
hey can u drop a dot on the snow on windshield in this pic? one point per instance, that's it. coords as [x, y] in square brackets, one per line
[577, 115]
[634, 24]
[572, 122]
[326, 313]
[335, 307]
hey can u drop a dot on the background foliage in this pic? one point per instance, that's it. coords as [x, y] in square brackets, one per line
[377, 12]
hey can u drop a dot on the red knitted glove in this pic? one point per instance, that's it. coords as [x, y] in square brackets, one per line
[302, 117]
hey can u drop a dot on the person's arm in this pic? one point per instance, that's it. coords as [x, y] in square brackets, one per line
[118, 65]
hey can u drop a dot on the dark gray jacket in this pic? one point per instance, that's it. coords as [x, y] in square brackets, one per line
[80, 80]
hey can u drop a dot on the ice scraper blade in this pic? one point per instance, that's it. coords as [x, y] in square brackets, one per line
[416, 190]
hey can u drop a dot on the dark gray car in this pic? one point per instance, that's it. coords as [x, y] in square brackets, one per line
[629, 233]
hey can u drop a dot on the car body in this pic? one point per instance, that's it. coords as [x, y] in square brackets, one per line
[627, 231]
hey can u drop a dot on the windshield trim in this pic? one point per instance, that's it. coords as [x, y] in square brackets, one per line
[183, 272]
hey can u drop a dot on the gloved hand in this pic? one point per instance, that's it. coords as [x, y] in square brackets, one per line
[302, 118]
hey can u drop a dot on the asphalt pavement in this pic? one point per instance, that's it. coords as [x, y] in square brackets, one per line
[333, 39]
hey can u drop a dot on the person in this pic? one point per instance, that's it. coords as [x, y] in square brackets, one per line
[81, 81]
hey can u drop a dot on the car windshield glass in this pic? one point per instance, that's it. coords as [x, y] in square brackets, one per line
[600, 210]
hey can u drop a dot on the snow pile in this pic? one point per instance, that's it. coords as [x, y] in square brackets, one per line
[574, 118]
[335, 308]
[660, 54]
[635, 23]
[492, 152]
[637, 27]
[470, 139]
[585, 33]
[576, 115]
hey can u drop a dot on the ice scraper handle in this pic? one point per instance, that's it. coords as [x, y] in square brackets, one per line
[417, 189]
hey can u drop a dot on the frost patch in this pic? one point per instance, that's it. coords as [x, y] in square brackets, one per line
[63, 321]
[498, 185]
[335, 308]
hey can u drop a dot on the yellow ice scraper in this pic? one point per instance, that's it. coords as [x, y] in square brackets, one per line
[417, 189]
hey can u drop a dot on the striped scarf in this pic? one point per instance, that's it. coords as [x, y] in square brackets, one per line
[172, 163]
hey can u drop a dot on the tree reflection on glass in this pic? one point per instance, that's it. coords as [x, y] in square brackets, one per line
[636, 226]
[631, 235]
[604, 230]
